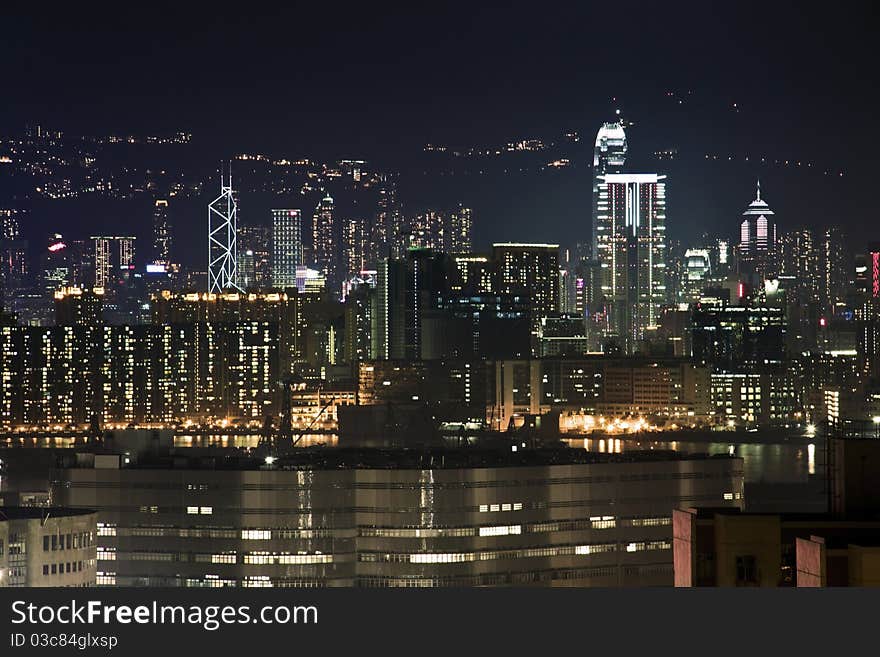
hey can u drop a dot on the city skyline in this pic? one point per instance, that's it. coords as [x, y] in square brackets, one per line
[379, 297]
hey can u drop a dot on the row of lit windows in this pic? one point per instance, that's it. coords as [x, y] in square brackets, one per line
[523, 553]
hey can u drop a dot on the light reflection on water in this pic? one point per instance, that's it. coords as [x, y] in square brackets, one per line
[247, 440]
[794, 461]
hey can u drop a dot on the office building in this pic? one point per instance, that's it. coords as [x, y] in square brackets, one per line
[529, 271]
[287, 247]
[161, 233]
[609, 157]
[256, 242]
[114, 256]
[758, 257]
[631, 251]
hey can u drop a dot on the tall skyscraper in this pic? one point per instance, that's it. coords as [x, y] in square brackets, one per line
[255, 242]
[113, 254]
[386, 223]
[757, 243]
[631, 250]
[325, 240]
[834, 266]
[460, 230]
[161, 233]
[355, 237]
[609, 156]
[222, 234]
[287, 246]
[13, 253]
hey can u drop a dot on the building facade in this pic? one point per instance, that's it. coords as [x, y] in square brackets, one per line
[588, 520]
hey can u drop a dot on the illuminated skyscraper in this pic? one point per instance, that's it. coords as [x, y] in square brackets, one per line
[461, 226]
[609, 156]
[255, 242]
[531, 272]
[696, 272]
[355, 236]
[113, 254]
[222, 234]
[13, 253]
[161, 233]
[757, 243]
[55, 264]
[386, 224]
[834, 266]
[325, 240]
[287, 246]
[631, 250]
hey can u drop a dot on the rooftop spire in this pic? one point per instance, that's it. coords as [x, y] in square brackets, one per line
[759, 190]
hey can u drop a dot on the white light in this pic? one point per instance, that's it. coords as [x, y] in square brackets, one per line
[270, 460]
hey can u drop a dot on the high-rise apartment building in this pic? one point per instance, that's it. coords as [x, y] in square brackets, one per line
[325, 242]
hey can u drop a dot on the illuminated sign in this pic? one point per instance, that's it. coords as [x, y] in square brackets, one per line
[57, 246]
[156, 268]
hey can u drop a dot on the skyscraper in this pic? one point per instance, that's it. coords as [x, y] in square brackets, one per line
[56, 264]
[13, 253]
[757, 243]
[460, 229]
[112, 255]
[834, 266]
[325, 239]
[355, 236]
[255, 242]
[287, 246]
[609, 156]
[386, 224]
[161, 233]
[222, 234]
[529, 271]
[631, 250]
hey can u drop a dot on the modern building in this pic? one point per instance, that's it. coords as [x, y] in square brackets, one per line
[531, 272]
[326, 235]
[113, 255]
[47, 546]
[394, 518]
[609, 156]
[631, 251]
[161, 233]
[757, 242]
[287, 247]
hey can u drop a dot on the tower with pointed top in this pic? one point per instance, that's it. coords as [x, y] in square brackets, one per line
[222, 249]
[757, 242]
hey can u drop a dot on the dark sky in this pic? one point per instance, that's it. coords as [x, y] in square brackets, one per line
[378, 81]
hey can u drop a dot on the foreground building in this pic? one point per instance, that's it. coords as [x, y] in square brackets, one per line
[393, 518]
[47, 546]
[722, 547]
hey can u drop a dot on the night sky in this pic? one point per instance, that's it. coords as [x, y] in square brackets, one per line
[378, 82]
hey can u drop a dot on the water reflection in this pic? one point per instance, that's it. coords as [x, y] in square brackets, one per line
[790, 462]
